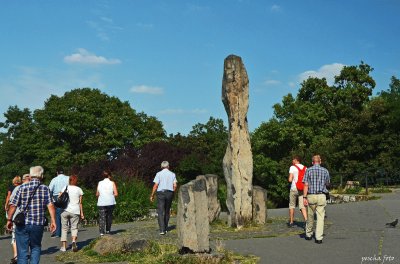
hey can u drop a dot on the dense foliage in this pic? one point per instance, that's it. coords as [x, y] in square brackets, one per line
[355, 133]
[81, 126]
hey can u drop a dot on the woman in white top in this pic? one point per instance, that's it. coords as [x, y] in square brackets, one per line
[106, 193]
[72, 213]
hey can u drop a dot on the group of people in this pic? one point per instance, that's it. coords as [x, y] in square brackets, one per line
[31, 196]
[312, 199]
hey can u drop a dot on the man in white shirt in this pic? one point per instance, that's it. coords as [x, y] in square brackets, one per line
[294, 193]
[165, 184]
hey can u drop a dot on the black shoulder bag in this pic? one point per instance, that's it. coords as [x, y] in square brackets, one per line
[19, 219]
[63, 199]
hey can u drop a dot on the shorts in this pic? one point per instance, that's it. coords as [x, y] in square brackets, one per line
[13, 241]
[293, 196]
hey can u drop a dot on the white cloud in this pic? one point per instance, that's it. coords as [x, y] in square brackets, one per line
[85, 57]
[275, 8]
[328, 72]
[174, 111]
[144, 89]
[272, 82]
[291, 84]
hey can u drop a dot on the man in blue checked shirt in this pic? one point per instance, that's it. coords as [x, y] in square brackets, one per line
[30, 235]
[315, 181]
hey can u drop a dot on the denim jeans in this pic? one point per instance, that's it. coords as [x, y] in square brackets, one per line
[164, 201]
[29, 236]
[59, 211]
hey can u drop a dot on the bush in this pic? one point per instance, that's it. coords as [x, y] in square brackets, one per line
[354, 190]
[222, 194]
[132, 201]
[381, 189]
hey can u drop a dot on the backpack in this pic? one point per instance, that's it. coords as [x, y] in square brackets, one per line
[299, 183]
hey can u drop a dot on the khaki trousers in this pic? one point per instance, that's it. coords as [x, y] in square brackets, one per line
[74, 220]
[316, 204]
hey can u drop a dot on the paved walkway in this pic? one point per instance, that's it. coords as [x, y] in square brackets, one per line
[357, 234]
[356, 231]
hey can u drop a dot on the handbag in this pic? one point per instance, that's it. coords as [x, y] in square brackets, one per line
[19, 219]
[63, 199]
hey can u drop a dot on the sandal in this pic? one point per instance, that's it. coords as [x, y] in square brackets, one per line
[13, 260]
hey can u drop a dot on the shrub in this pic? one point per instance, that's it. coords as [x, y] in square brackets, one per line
[381, 189]
[132, 201]
[354, 190]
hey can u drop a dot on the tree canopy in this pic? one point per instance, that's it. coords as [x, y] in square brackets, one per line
[354, 131]
[81, 126]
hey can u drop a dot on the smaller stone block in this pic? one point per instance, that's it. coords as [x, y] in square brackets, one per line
[259, 205]
[192, 219]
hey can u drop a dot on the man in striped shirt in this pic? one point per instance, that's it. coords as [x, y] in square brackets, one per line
[315, 181]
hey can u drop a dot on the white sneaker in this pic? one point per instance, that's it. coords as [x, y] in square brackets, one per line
[62, 249]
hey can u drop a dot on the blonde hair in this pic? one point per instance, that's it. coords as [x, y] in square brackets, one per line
[17, 180]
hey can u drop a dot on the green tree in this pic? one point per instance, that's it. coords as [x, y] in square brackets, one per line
[205, 147]
[86, 125]
[81, 126]
[342, 122]
[17, 144]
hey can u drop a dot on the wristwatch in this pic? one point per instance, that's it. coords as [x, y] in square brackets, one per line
[305, 197]
[9, 220]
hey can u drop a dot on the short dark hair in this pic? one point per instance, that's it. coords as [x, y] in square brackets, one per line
[297, 157]
[60, 170]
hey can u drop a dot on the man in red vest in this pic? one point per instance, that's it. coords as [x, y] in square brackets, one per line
[295, 194]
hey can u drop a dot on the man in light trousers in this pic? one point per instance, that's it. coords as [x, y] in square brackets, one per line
[315, 181]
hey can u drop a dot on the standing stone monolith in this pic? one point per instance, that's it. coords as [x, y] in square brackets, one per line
[238, 159]
[214, 207]
[259, 205]
[192, 218]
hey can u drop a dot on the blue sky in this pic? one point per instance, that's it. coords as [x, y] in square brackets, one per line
[166, 57]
